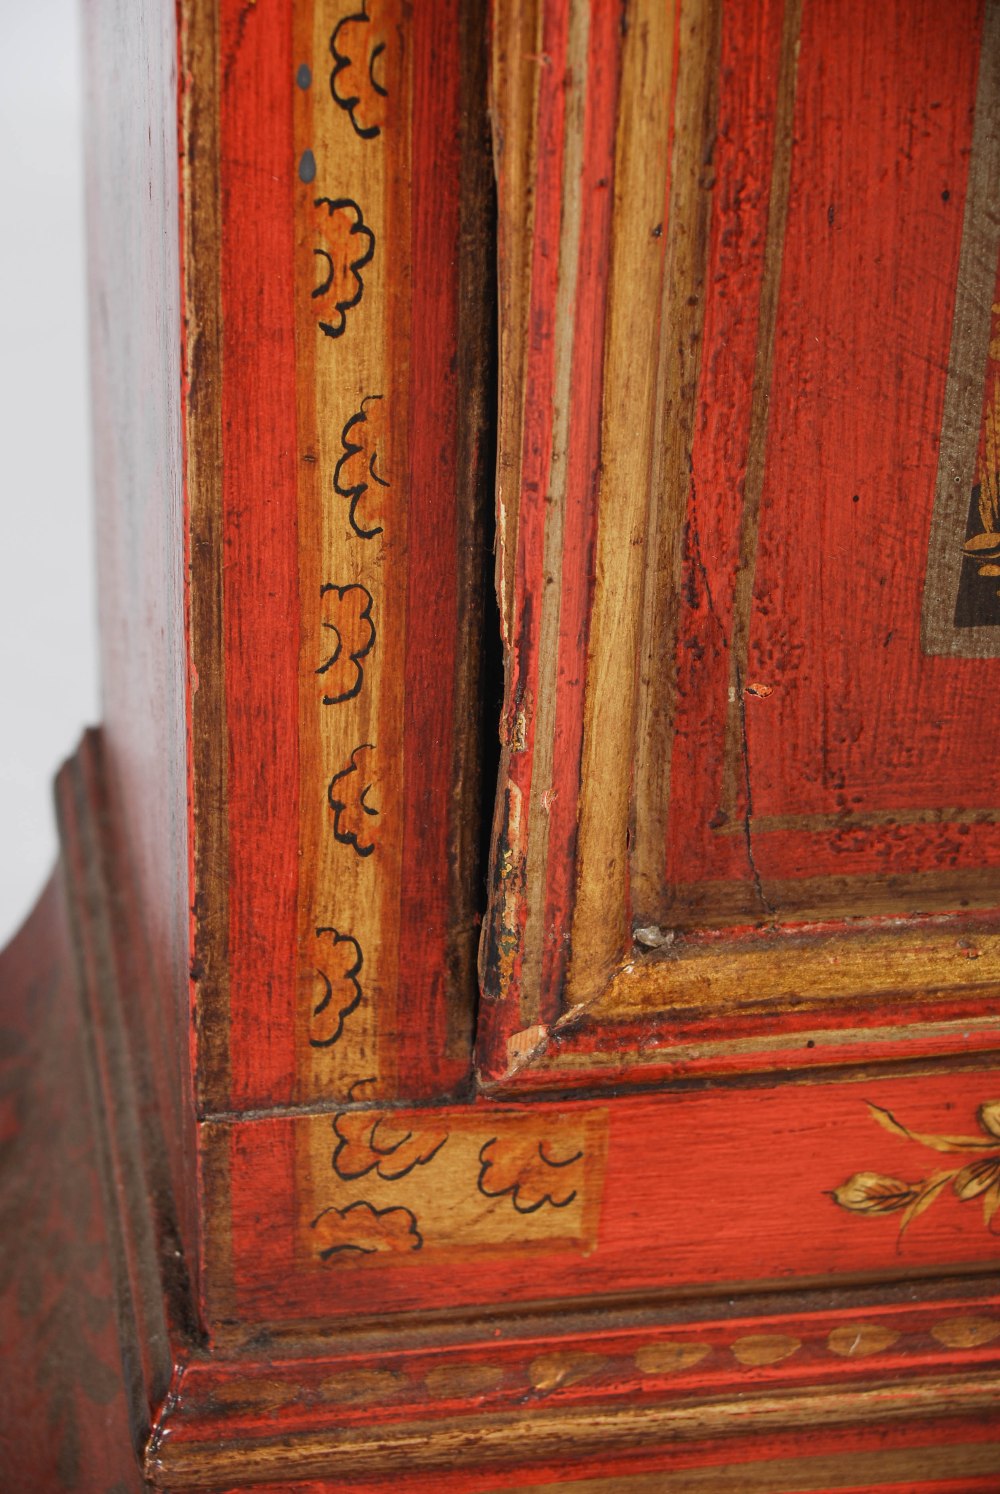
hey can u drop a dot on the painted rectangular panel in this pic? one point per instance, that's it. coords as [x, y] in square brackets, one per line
[731, 1189]
[752, 656]
[338, 352]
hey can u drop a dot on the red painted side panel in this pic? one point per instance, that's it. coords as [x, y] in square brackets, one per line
[259, 495]
[722, 1190]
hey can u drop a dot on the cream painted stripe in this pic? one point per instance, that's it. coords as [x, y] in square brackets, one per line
[967, 363]
[355, 894]
[515, 70]
[599, 928]
[555, 507]
[666, 485]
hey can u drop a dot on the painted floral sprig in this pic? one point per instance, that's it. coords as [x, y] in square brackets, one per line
[874, 1193]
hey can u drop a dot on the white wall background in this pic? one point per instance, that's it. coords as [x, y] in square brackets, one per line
[48, 645]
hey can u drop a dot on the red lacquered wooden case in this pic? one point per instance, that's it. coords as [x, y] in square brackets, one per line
[516, 1009]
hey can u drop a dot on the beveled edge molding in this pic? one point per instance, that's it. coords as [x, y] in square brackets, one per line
[153, 1303]
[475, 1441]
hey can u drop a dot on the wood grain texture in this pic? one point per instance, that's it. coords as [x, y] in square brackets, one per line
[929, 1471]
[554, 451]
[765, 745]
[962, 1471]
[644, 181]
[953, 1470]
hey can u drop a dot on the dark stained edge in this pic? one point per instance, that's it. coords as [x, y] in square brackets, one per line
[473, 770]
[154, 1307]
[714, 904]
[202, 376]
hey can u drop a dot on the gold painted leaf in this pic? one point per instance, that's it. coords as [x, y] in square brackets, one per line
[463, 1381]
[857, 1340]
[670, 1358]
[989, 1117]
[258, 1394]
[888, 1122]
[966, 1333]
[552, 1372]
[556, 1371]
[991, 1202]
[927, 1192]
[976, 1177]
[873, 1193]
[979, 544]
[765, 1348]
[361, 1385]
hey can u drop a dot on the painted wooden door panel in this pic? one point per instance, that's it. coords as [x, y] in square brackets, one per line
[748, 526]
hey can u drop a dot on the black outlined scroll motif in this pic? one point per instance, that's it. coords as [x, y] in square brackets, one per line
[356, 470]
[348, 616]
[348, 799]
[341, 992]
[358, 81]
[348, 246]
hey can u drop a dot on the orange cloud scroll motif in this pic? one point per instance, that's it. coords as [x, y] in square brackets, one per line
[347, 614]
[358, 82]
[368, 1142]
[529, 1172]
[361, 1229]
[347, 247]
[339, 961]
[348, 799]
[362, 439]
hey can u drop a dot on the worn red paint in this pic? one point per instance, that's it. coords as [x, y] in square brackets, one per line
[434, 629]
[259, 497]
